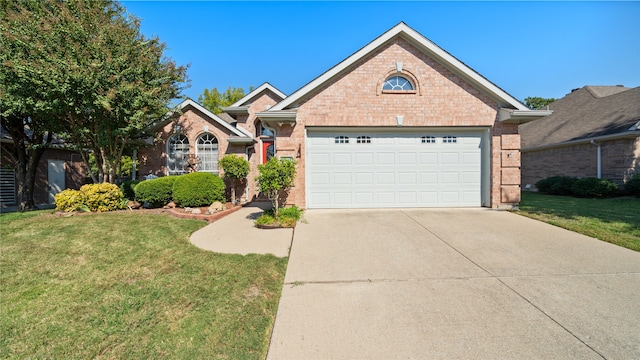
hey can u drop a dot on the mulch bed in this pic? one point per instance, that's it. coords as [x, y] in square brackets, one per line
[177, 212]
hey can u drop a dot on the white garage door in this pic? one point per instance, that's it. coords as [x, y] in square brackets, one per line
[393, 169]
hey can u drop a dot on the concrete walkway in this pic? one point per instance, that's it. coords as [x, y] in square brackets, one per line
[454, 284]
[236, 234]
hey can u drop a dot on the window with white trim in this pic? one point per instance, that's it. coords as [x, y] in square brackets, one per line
[207, 153]
[363, 140]
[397, 83]
[428, 139]
[177, 153]
[341, 139]
[450, 139]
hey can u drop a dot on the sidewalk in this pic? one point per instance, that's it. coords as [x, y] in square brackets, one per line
[236, 234]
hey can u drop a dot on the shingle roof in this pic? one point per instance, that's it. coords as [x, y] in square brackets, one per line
[226, 117]
[588, 112]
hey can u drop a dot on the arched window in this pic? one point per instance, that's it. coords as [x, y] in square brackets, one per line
[263, 131]
[207, 153]
[177, 152]
[397, 83]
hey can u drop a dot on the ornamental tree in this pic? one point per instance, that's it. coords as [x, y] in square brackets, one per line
[236, 169]
[83, 70]
[275, 180]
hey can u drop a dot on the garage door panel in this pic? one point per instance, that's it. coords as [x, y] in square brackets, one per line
[429, 178]
[364, 198]
[393, 170]
[342, 178]
[342, 159]
[386, 178]
[407, 178]
[319, 159]
[320, 178]
[450, 158]
[364, 178]
[407, 158]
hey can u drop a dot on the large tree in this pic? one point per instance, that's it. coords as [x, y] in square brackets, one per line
[81, 69]
[214, 100]
[537, 103]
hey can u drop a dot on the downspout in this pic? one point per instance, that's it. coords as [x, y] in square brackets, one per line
[599, 157]
[134, 166]
[246, 188]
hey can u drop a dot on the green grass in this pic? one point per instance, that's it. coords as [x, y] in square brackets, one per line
[615, 220]
[123, 285]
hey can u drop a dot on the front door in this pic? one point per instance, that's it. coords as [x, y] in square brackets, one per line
[55, 178]
[268, 150]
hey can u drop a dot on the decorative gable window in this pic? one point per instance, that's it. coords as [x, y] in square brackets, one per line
[342, 139]
[429, 139]
[363, 140]
[207, 152]
[449, 139]
[397, 83]
[177, 153]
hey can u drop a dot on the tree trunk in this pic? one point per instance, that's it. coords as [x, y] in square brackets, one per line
[26, 164]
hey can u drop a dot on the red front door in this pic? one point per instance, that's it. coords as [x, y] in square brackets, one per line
[268, 150]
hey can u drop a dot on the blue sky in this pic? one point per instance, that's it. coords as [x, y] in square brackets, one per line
[527, 48]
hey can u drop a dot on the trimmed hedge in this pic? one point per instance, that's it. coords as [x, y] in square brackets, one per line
[127, 188]
[594, 187]
[556, 185]
[91, 197]
[632, 186]
[155, 192]
[198, 189]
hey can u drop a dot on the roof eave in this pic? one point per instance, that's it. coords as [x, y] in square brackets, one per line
[510, 116]
[279, 118]
[240, 140]
[618, 136]
[236, 110]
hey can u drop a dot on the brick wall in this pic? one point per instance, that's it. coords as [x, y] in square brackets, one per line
[441, 99]
[620, 160]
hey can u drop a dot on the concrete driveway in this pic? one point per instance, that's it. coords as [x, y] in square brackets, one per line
[454, 284]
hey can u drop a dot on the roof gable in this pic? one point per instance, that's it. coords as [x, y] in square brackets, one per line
[422, 44]
[583, 115]
[247, 99]
[214, 118]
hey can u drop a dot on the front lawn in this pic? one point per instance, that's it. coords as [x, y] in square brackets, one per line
[129, 285]
[615, 220]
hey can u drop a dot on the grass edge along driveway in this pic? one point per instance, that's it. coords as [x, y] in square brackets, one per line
[614, 220]
[127, 285]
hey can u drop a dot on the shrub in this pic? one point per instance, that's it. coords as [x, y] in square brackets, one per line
[287, 217]
[198, 189]
[102, 197]
[275, 180]
[155, 192]
[127, 188]
[91, 197]
[632, 186]
[235, 169]
[292, 212]
[594, 187]
[556, 185]
[70, 200]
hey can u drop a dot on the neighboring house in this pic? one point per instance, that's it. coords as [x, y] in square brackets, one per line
[399, 123]
[593, 132]
[59, 168]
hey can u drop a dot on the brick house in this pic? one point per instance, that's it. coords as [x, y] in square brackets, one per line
[399, 123]
[194, 139]
[594, 131]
